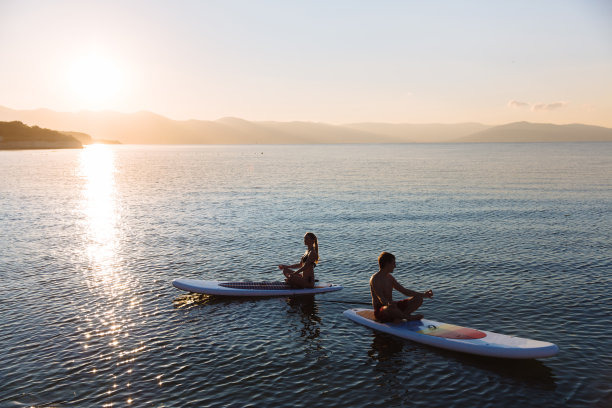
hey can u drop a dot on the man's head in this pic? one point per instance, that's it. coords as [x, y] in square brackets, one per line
[385, 259]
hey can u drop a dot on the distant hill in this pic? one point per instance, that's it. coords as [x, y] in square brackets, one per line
[150, 128]
[85, 139]
[16, 135]
[420, 133]
[525, 132]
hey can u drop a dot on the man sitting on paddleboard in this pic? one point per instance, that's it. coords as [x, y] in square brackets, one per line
[382, 284]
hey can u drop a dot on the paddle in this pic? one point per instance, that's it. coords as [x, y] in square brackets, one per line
[345, 301]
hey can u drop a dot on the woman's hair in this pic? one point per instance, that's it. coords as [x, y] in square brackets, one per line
[316, 244]
[384, 258]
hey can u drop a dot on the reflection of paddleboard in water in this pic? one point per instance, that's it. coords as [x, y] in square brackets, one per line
[457, 338]
[249, 288]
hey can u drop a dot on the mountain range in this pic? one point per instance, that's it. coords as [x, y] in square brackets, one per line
[150, 128]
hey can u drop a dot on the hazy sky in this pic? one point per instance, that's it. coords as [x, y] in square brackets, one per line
[327, 61]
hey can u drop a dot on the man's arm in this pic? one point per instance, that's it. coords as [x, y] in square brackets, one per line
[408, 292]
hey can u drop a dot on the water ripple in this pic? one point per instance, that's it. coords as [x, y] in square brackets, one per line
[512, 238]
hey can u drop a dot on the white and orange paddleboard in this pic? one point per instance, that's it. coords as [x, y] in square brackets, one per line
[457, 338]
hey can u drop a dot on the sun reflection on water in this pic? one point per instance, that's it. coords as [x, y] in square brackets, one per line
[107, 316]
[97, 166]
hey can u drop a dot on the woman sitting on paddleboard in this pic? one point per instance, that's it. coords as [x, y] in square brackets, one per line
[304, 276]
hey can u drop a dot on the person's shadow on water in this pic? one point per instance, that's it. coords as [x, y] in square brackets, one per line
[306, 307]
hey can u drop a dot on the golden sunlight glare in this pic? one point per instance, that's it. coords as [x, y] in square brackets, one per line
[95, 80]
[97, 168]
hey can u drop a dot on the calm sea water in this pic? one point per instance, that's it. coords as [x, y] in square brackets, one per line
[512, 238]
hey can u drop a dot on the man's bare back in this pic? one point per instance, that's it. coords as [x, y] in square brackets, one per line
[381, 287]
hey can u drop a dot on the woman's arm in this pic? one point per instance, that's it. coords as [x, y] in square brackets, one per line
[289, 266]
[288, 271]
[303, 266]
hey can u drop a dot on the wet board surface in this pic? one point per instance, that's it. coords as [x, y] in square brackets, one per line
[457, 338]
[221, 288]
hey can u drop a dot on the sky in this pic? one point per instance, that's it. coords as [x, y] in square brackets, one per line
[438, 61]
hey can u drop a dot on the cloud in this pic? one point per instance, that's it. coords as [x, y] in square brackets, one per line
[537, 107]
[517, 104]
[548, 106]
